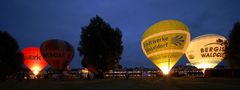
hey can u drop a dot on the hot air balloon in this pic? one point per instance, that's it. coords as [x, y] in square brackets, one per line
[165, 42]
[33, 59]
[57, 53]
[206, 51]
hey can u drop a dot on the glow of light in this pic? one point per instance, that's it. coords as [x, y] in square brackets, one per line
[205, 65]
[85, 70]
[204, 70]
[35, 70]
[165, 70]
[165, 67]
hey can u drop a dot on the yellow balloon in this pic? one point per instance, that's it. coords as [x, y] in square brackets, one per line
[165, 42]
[206, 51]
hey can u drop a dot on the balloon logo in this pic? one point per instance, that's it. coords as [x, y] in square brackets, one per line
[206, 51]
[165, 42]
[33, 59]
[57, 53]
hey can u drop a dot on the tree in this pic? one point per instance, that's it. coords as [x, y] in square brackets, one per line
[10, 58]
[233, 48]
[100, 46]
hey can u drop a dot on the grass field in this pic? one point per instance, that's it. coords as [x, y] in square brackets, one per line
[172, 83]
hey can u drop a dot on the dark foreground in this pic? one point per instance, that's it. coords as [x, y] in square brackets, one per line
[123, 84]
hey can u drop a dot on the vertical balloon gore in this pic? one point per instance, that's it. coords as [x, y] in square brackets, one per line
[165, 42]
[57, 53]
[206, 51]
[33, 59]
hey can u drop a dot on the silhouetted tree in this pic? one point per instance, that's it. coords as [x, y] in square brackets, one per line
[233, 48]
[120, 66]
[10, 57]
[100, 46]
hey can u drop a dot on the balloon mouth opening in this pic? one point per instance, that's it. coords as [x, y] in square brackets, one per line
[165, 71]
[205, 66]
[36, 70]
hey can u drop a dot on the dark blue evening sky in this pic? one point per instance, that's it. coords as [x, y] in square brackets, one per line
[33, 21]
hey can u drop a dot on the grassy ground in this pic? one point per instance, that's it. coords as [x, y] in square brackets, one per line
[123, 84]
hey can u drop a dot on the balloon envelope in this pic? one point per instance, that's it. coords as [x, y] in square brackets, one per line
[57, 53]
[33, 59]
[165, 42]
[206, 51]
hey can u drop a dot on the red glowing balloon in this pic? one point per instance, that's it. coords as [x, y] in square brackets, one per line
[57, 53]
[33, 59]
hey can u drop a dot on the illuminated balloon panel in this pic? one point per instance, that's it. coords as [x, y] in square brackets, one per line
[206, 51]
[33, 59]
[165, 42]
[57, 53]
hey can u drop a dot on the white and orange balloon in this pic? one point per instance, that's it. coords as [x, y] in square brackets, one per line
[206, 51]
[165, 42]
